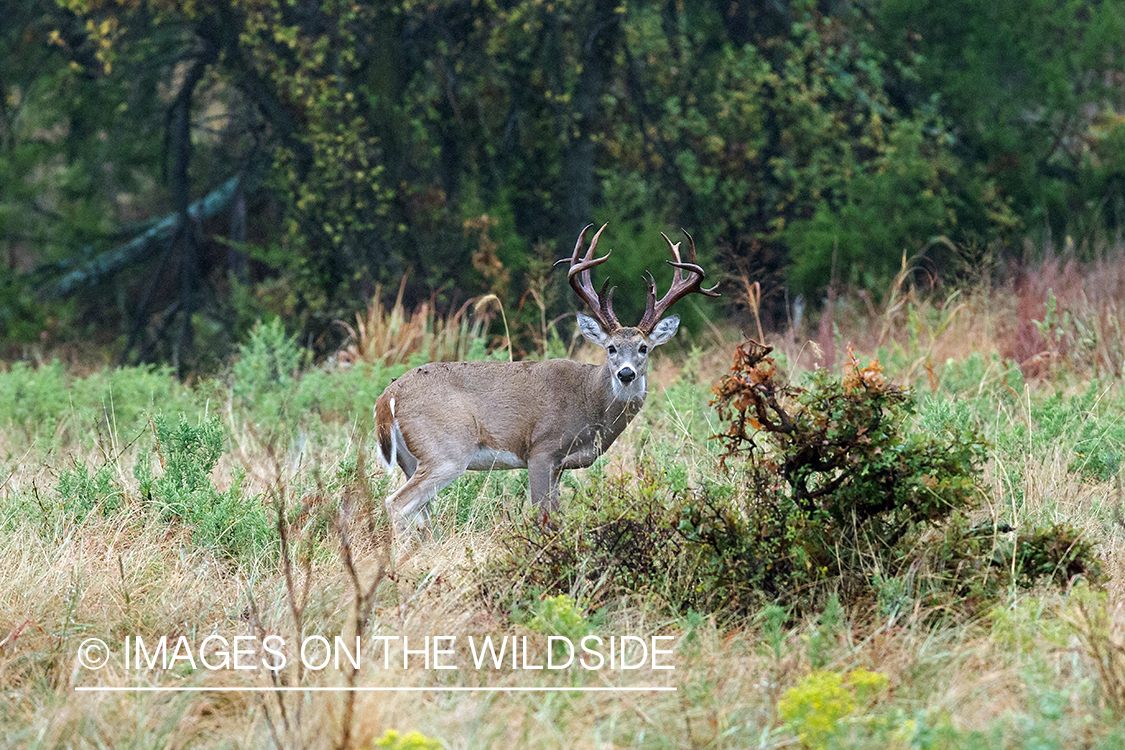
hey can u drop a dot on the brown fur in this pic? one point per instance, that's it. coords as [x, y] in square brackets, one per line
[384, 423]
[543, 416]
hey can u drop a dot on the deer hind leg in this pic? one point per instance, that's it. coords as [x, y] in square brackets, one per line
[406, 460]
[409, 507]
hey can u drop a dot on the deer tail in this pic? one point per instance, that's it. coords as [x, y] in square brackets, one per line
[384, 431]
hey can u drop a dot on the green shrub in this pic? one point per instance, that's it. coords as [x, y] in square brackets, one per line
[984, 561]
[838, 484]
[392, 740]
[123, 398]
[33, 398]
[227, 521]
[834, 490]
[265, 379]
[977, 374]
[47, 403]
[1057, 552]
[1097, 443]
[81, 493]
[271, 387]
[618, 536]
[560, 615]
[341, 395]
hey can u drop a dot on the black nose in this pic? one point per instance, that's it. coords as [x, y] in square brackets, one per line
[625, 375]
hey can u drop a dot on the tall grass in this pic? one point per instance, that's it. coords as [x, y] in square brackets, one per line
[391, 336]
[87, 550]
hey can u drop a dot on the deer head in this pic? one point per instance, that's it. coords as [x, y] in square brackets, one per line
[627, 348]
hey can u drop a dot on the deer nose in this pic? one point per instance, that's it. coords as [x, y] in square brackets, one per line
[626, 375]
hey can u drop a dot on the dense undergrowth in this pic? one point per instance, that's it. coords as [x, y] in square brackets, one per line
[836, 488]
[921, 550]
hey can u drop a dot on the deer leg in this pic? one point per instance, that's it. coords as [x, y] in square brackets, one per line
[543, 474]
[410, 505]
[406, 460]
[408, 464]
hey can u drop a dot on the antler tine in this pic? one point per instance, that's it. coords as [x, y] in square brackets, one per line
[579, 276]
[680, 288]
[605, 305]
[649, 318]
[577, 246]
[692, 266]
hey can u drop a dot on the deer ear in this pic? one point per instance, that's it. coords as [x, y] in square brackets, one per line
[591, 330]
[664, 330]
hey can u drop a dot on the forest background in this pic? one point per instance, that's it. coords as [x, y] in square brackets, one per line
[901, 524]
[171, 172]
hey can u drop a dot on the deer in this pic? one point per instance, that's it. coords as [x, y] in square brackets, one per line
[442, 419]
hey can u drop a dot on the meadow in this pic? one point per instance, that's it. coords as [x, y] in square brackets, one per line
[134, 505]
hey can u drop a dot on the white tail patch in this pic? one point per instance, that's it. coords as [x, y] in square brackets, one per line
[394, 439]
[389, 462]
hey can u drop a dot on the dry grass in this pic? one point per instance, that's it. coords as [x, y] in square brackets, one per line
[1079, 333]
[113, 577]
[124, 574]
[392, 335]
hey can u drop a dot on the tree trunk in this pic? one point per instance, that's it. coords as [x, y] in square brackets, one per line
[598, 46]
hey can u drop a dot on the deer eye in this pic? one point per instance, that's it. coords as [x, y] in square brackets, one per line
[611, 349]
[643, 349]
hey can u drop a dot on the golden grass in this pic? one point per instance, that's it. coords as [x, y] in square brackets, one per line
[395, 336]
[123, 575]
[728, 682]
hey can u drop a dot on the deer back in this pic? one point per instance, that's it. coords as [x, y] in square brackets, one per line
[511, 407]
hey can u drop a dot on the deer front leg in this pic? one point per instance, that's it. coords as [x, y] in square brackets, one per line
[543, 473]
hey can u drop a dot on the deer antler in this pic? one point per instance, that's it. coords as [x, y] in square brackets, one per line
[681, 287]
[600, 303]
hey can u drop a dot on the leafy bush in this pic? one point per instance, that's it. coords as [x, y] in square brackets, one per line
[837, 487]
[227, 521]
[835, 479]
[82, 493]
[620, 536]
[1057, 552]
[979, 562]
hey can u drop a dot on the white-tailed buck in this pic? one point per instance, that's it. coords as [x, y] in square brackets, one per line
[441, 419]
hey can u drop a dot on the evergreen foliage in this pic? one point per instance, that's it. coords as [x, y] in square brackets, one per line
[170, 172]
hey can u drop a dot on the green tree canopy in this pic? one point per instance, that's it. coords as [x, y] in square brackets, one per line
[169, 171]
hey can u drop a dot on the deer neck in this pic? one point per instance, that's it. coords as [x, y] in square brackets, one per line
[614, 406]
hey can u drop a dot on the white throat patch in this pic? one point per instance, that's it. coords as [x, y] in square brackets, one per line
[635, 390]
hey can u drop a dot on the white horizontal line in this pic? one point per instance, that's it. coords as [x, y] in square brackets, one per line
[287, 689]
